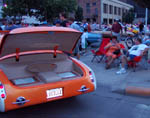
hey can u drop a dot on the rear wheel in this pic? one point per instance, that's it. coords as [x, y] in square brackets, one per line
[129, 42]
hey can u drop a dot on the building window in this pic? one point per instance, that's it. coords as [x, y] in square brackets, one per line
[105, 6]
[87, 5]
[115, 10]
[110, 9]
[96, 11]
[88, 10]
[94, 3]
[110, 21]
[105, 21]
[119, 11]
[123, 11]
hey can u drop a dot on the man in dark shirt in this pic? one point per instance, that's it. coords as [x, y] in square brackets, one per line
[63, 18]
[116, 28]
[141, 26]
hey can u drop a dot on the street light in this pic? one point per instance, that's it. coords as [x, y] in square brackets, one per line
[5, 5]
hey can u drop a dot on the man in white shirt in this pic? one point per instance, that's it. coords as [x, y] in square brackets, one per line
[84, 40]
[137, 50]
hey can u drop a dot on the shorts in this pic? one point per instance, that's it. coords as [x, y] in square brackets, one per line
[111, 54]
[131, 57]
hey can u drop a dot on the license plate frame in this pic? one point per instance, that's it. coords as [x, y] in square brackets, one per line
[54, 93]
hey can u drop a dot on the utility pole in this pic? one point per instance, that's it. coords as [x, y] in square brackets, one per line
[146, 16]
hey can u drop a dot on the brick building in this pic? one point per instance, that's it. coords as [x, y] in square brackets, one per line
[104, 11]
[91, 9]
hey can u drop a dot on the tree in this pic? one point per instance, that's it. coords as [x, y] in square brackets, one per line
[79, 14]
[143, 3]
[129, 16]
[49, 9]
[20, 7]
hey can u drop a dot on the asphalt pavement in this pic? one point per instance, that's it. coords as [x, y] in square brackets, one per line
[110, 100]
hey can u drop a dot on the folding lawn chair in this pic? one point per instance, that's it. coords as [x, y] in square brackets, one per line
[133, 63]
[100, 53]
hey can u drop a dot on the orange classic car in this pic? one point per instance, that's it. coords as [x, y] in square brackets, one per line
[35, 67]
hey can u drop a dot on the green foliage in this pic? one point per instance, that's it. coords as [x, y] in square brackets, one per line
[129, 16]
[49, 9]
[79, 14]
[143, 3]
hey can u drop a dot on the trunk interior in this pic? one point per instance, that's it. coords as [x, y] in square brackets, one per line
[40, 69]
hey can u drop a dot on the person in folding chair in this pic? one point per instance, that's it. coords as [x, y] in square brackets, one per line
[99, 54]
[112, 51]
[135, 53]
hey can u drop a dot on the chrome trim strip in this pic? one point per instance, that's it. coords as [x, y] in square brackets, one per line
[83, 90]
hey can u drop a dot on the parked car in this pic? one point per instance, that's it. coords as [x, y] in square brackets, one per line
[94, 37]
[105, 32]
[35, 67]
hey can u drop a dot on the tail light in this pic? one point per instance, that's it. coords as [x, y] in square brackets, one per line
[1, 86]
[91, 76]
[2, 95]
[2, 91]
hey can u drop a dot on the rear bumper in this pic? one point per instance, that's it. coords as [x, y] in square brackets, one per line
[39, 95]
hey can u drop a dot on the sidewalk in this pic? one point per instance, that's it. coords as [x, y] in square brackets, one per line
[134, 83]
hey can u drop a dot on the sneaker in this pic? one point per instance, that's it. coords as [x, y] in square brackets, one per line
[121, 71]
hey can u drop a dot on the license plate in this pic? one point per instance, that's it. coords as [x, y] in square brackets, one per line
[52, 93]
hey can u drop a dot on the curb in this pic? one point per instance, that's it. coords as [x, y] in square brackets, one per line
[140, 91]
[132, 90]
[119, 88]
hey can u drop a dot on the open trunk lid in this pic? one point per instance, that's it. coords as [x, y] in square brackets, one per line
[39, 38]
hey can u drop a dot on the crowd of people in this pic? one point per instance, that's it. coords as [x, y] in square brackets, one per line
[61, 21]
[114, 50]
[114, 47]
[85, 27]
